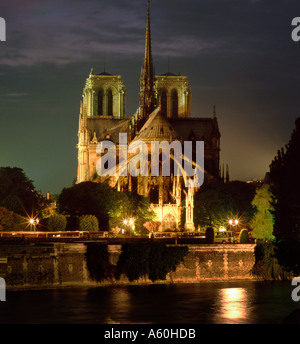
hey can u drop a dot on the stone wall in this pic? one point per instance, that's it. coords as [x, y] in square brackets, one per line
[216, 262]
[64, 264]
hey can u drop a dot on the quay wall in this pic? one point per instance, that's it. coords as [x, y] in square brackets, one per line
[64, 264]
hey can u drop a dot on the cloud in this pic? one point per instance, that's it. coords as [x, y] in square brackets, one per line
[67, 32]
[13, 97]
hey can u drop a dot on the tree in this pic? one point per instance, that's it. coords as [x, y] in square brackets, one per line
[285, 188]
[263, 220]
[88, 198]
[215, 205]
[18, 193]
[9, 221]
[56, 222]
[107, 204]
[13, 203]
[129, 205]
[88, 223]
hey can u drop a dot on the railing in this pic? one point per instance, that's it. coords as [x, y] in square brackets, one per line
[54, 235]
[179, 235]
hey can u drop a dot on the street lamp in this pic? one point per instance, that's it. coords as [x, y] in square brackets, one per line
[34, 223]
[129, 223]
[233, 223]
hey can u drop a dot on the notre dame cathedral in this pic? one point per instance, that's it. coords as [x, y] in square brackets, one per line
[164, 114]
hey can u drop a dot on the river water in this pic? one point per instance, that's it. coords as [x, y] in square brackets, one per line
[248, 302]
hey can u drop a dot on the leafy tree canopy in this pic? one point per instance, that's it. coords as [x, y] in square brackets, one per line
[262, 221]
[285, 187]
[9, 221]
[130, 205]
[57, 222]
[107, 204]
[88, 223]
[215, 205]
[88, 198]
[17, 192]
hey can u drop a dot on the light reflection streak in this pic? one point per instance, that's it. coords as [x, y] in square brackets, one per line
[233, 304]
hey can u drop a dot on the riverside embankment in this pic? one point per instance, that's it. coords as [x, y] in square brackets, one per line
[46, 265]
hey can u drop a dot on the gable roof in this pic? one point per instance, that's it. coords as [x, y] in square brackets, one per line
[200, 128]
[157, 128]
[108, 126]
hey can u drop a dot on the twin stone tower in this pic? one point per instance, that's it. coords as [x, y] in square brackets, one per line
[163, 114]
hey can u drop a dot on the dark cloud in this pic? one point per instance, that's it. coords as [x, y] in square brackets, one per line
[238, 55]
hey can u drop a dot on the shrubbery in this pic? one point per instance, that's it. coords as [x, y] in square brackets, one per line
[266, 265]
[57, 222]
[244, 236]
[88, 223]
[9, 221]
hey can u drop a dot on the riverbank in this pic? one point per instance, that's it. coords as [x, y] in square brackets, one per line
[53, 265]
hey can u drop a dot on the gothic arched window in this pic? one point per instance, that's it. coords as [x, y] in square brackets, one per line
[163, 102]
[109, 103]
[174, 104]
[100, 103]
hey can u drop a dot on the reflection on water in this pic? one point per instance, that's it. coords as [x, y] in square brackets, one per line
[233, 303]
[205, 303]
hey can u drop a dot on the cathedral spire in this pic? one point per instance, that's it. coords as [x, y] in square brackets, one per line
[147, 94]
[214, 112]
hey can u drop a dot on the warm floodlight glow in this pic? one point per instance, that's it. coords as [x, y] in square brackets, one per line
[233, 222]
[33, 222]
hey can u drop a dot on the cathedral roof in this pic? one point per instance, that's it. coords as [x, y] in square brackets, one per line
[108, 128]
[195, 128]
[104, 73]
[169, 74]
[157, 128]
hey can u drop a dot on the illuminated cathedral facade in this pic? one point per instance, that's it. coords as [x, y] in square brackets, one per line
[163, 114]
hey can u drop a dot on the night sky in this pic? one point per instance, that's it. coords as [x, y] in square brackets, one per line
[237, 54]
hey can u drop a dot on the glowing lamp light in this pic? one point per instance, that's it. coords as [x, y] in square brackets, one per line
[233, 222]
[34, 222]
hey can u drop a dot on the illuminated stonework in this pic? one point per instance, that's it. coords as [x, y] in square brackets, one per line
[104, 96]
[173, 95]
[164, 114]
